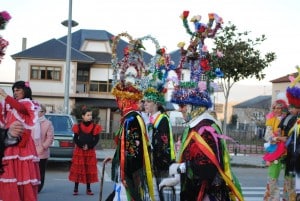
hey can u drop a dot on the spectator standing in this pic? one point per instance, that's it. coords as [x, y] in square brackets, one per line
[84, 162]
[21, 176]
[43, 139]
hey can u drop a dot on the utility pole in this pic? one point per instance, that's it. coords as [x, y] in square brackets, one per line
[69, 23]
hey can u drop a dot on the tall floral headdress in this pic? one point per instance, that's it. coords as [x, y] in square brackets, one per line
[293, 91]
[196, 56]
[157, 74]
[127, 72]
[4, 18]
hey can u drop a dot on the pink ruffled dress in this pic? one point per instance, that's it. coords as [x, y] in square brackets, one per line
[21, 176]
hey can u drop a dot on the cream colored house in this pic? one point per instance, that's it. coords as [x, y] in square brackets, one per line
[90, 83]
[279, 87]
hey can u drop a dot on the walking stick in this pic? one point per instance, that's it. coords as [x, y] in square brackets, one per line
[102, 177]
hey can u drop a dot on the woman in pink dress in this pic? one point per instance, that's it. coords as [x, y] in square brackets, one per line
[20, 178]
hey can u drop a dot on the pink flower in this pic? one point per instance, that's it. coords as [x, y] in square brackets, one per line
[202, 86]
[164, 138]
[4, 18]
[5, 15]
[219, 54]
[3, 43]
[204, 48]
[27, 84]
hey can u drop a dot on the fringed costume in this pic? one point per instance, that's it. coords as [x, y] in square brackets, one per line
[131, 162]
[131, 165]
[208, 174]
[162, 143]
[204, 162]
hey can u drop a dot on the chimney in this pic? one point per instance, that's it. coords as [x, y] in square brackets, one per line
[24, 43]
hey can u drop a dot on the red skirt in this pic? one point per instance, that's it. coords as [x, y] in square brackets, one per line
[21, 176]
[84, 166]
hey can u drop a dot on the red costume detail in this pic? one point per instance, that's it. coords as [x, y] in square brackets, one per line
[84, 162]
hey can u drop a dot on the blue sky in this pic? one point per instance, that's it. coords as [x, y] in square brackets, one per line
[39, 21]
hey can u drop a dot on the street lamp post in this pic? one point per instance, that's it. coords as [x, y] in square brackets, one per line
[69, 23]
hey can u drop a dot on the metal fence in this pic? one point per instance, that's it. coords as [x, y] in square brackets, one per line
[243, 141]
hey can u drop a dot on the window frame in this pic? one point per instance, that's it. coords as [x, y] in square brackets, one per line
[46, 72]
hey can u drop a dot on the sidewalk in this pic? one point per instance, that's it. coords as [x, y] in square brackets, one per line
[239, 160]
[248, 160]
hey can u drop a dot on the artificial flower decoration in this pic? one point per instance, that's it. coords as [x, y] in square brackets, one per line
[156, 78]
[202, 85]
[161, 51]
[219, 73]
[27, 84]
[4, 18]
[293, 91]
[291, 78]
[297, 79]
[196, 56]
[185, 14]
[204, 63]
[129, 69]
[3, 44]
[219, 54]
[204, 48]
[126, 51]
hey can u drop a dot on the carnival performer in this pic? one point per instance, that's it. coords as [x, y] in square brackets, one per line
[204, 162]
[131, 165]
[275, 148]
[84, 162]
[21, 176]
[161, 136]
[292, 169]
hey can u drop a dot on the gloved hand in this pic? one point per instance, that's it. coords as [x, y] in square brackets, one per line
[172, 181]
[181, 168]
[176, 168]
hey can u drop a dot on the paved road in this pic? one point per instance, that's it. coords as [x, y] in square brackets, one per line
[251, 193]
[59, 188]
